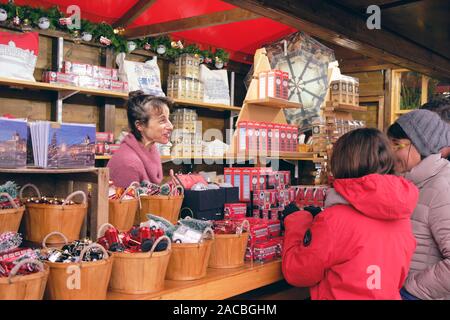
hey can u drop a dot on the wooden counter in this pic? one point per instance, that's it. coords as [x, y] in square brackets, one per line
[218, 284]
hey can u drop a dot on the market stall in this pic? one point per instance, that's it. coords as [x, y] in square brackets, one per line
[258, 105]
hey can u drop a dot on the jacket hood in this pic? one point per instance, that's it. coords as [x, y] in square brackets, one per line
[382, 197]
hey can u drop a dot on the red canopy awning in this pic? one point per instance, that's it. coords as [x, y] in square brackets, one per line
[239, 38]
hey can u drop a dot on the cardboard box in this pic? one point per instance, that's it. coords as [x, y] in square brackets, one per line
[80, 69]
[263, 147]
[59, 77]
[205, 204]
[271, 84]
[235, 211]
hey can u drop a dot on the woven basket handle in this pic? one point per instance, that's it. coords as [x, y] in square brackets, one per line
[244, 224]
[180, 187]
[210, 231]
[73, 194]
[169, 247]
[44, 241]
[190, 211]
[16, 268]
[93, 245]
[126, 190]
[101, 231]
[31, 186]
[8, 196]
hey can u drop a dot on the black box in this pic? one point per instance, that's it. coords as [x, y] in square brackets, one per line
[205, 204]
[231, 195]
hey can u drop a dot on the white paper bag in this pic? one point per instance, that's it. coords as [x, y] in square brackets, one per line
[143, 76]
[215, 84]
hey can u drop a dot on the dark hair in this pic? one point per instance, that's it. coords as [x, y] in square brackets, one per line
[441, 105]
[361, 152]
[395, 131]
[138, 106]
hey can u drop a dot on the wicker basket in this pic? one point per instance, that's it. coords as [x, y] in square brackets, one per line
[42, 219]
[28, 287]
[189, 261]
[228, 250]
[10, 218]
[79, 281]
[167, 207]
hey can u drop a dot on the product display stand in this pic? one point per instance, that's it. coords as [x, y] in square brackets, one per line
[62, 182]
[262, 110]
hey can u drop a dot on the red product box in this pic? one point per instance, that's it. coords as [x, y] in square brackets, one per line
[80, 69]
[294, 138]
[252, 138]
[279, 241]
[227, 173]
[263, 148]
[104, 83]
[100, 148]
[276, 142]
[125, 87]
[291, 194]
[309, 197]
[283, 138]
[271, 84]
[259, 231]
[286, 176]
[266, 251]
[242, 136]
[319, 197]
[116, 85]
[104, 137]
[62, 78]
[279, 84]
[289, 143]
[274, 228]
[88, 82]
[235, 211]
[274, 214]
[270, 133]
[102, 72]
[236, 179]
[285, 91]
[246, 186]
[257, 133]
[300, 196]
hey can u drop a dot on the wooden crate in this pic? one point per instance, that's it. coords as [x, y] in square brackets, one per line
[62, 182]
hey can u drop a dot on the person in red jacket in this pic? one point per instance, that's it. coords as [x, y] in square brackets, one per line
[361, 245]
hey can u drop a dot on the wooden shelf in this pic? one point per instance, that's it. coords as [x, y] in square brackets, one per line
[50, 171]
[344, 107]
[13, 83]
[103, 157]
[274, 103]
[218, 284]
[194, 103]
[61, 88]
[403, 111]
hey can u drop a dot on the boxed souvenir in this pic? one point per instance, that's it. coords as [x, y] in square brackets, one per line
[59, 77]
[80, 69]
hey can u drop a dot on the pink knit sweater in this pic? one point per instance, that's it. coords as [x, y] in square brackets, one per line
[134, 162]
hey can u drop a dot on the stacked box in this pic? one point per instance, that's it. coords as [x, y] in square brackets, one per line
[274, 84]
[187, 134]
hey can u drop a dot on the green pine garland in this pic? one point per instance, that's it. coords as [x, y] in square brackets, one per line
[118, 42]
[11, 188]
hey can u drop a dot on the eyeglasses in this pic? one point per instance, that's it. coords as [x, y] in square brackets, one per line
[399, 146]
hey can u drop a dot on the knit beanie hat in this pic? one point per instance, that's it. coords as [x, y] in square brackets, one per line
[426, 130]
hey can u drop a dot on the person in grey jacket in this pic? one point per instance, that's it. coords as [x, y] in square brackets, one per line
[418, 138]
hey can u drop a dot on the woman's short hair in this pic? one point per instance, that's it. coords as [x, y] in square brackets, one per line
[138, 106]
[361, 152]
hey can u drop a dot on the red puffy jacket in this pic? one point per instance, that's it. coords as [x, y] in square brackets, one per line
[360, 246]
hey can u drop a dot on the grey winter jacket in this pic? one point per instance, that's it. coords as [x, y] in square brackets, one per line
[429, 275]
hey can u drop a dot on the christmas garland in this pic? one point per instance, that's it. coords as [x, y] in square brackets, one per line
[28, 18]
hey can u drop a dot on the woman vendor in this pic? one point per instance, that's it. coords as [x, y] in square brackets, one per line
[138, 158]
